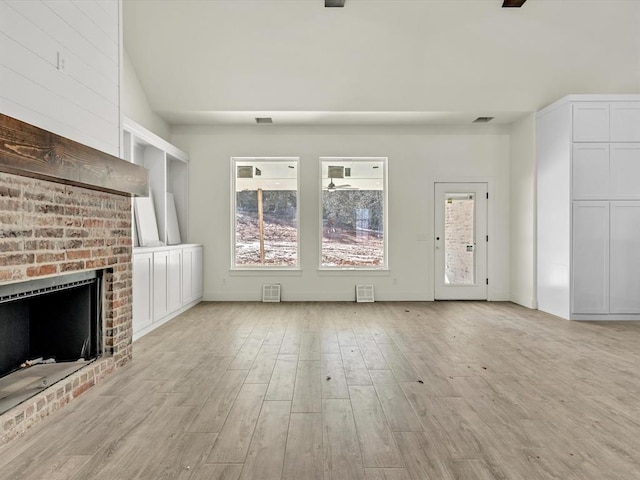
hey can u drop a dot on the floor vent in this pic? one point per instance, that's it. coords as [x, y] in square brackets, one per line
[271, 293]
[364, 293]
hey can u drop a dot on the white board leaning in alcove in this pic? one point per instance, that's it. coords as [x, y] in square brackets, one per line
[147, 226]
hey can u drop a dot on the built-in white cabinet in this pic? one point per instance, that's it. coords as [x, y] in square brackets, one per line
[606, 121]
[175, 279]
[590, 122]
[167, 277]
[590, 257]
[168, 180]
[590, 171]
[605, 170]
[624, 256]
[192, 274]
[143, 291]
[166, 282]
[625, 122]
[588, 180]
[624, 171]
[160, 284]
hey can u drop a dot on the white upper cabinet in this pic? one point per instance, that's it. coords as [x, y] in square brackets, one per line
[590, 122]
[625, 122]
[590, 172]
[624, 172]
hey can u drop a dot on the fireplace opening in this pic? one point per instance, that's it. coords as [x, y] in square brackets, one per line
[49, 328]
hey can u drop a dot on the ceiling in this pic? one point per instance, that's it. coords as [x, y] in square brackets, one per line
[373, 62]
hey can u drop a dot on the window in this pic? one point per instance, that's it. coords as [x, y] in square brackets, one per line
[354, 209]
[265, 212]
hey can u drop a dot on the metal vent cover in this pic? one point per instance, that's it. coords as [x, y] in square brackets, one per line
[483, 119]
[364, 293]
[271, 293]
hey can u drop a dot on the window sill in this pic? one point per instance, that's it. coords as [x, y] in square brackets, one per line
[354, 272]
[265, 272]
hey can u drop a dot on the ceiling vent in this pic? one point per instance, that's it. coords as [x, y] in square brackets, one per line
[513, 3]
[483, 119]
[334, 3]
[261, 120]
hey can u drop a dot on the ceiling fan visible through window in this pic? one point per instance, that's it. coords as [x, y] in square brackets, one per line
[332, 186]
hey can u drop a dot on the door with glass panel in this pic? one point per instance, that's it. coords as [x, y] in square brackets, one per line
[460, 241]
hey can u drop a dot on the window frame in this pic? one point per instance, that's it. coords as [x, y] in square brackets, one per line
[258, 268]
[385, 216]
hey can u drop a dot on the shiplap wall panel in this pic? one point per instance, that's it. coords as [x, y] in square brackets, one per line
[102, 18]
[28, 64]
[46, 47]
[109, 6]
[16, 110]
[43, 17]
[82, 104]
[86, 27]
[67, 120]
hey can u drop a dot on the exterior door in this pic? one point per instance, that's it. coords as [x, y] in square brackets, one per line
[461, 241]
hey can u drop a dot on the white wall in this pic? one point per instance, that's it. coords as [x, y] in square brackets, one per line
[135, 104]
[553, 205]
[523, 206]
[417, 158]
[81, 104]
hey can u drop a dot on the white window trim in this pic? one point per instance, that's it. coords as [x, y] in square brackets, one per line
[385, 230]
[264, 268]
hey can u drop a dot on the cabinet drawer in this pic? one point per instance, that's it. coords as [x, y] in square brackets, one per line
[590, 122]
[625, 122]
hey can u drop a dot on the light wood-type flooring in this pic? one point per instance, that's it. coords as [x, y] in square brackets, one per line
[384, 391]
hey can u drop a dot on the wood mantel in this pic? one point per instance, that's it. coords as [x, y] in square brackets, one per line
[33, 152]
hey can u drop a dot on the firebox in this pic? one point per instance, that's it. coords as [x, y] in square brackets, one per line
[49, 328]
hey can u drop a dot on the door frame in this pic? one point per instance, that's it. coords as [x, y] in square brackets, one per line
[490, 228]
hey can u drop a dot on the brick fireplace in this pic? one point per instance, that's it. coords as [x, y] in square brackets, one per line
[50, 227]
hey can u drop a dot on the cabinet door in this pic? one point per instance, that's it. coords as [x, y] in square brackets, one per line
[590, 171]
[590, 257]
[175, 279]
[196, 273]
[624, 291]
[625, 122]
[160, 284]
[625, 171]
[590, 122]
[187, 275]
[142, 291]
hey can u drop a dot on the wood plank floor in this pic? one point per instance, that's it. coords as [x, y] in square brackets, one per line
[396, 391]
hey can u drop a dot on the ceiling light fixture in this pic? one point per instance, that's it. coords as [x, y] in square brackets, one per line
[513, 3]
[264, 120]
